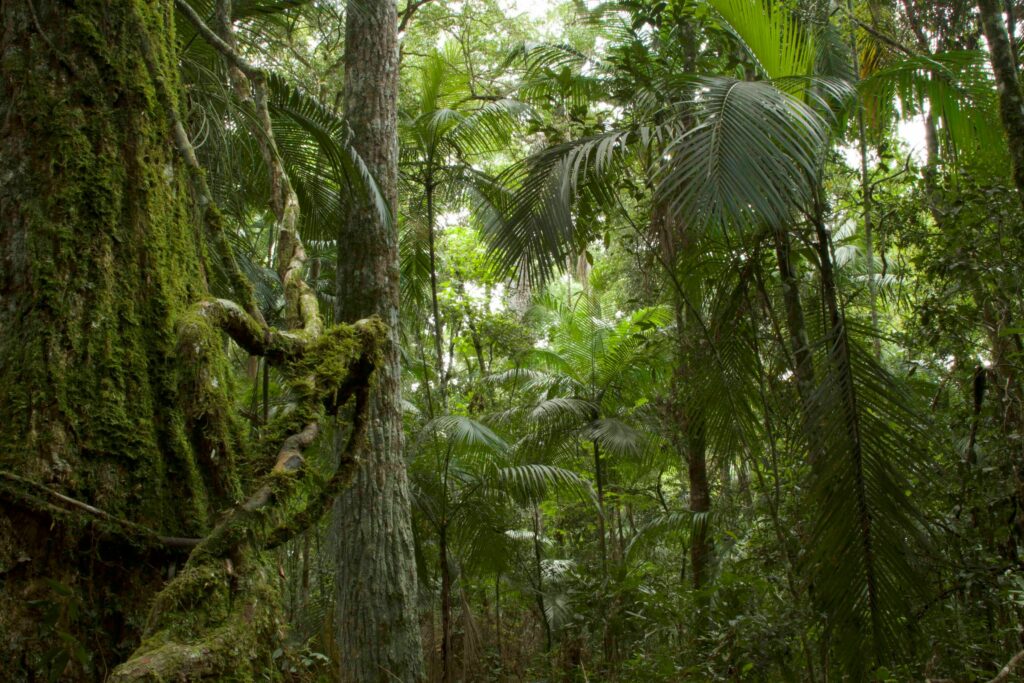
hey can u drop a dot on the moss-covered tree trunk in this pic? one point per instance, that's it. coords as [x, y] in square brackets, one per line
[129, 548]
[99, 255]
[376, 616]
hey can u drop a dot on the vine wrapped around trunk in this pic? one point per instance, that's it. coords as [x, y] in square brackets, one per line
[121, 451]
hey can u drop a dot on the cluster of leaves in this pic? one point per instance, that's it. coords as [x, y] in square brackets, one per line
[672, 411]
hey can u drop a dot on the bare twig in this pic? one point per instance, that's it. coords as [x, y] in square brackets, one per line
[1004, 674]
[409, 11]
[131, 530]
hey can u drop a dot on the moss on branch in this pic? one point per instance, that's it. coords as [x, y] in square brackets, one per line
[216, 617]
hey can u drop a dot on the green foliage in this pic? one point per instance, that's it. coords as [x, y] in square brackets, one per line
[598, 218]
[954, 88]
[774, 37]
[664, 417]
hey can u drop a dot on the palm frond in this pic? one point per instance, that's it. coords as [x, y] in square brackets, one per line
[530, 224]
[751, 157]
[532, 483]
[868, 532]
[954, 88]
[465, 432]
[773, 36]
[316, 146]
[615, 436]
[562, 410]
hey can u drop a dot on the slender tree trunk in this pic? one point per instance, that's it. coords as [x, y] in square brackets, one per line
[689, 423]
[446, 607]
[474, 333]
[936, 204]
[304, 594]
[867, 205]
[538, 569]
[693, 444]
[803, 361]
[601, 530]
[376, 616]
[865, 188]
[1011, 104]
[435, 308]
[497, 622]
[700, 501]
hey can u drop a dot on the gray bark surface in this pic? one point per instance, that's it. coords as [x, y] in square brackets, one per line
[375, 611]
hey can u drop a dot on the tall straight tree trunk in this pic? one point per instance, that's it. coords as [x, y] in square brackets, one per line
[497, 622]
[98, 258]
[1011, 104]
[538, 568]
[601, 526]
[700, 501]
[691, 441]
[446, 606]
[800, 345]
[119, 441]
[376, 615]
[442, 377]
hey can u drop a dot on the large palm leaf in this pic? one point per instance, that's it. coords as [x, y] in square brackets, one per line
[752, 155]
[868, 534]
[954, 88]
[771, 34]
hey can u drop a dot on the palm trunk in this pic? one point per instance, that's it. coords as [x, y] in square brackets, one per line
[446, 607]
[803, 361]
[375, 608]
[689, 422]
[601, 531]
[692, 442]
[700, 502]
[538, 569]
[869, 246]
[497, 622]
[438, 329]
[865, 188]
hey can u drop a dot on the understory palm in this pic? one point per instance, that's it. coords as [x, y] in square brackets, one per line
[737, 165]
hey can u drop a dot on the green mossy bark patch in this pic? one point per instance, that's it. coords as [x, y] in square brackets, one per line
[100, 258]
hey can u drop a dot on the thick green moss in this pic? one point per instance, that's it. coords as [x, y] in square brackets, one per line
[224, 615]
[108, 260]
[116, 390]
[196, 626]
[100, 257]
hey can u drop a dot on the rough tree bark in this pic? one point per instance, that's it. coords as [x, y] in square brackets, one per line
[98, 258]
[121, 454]
[376, 616]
